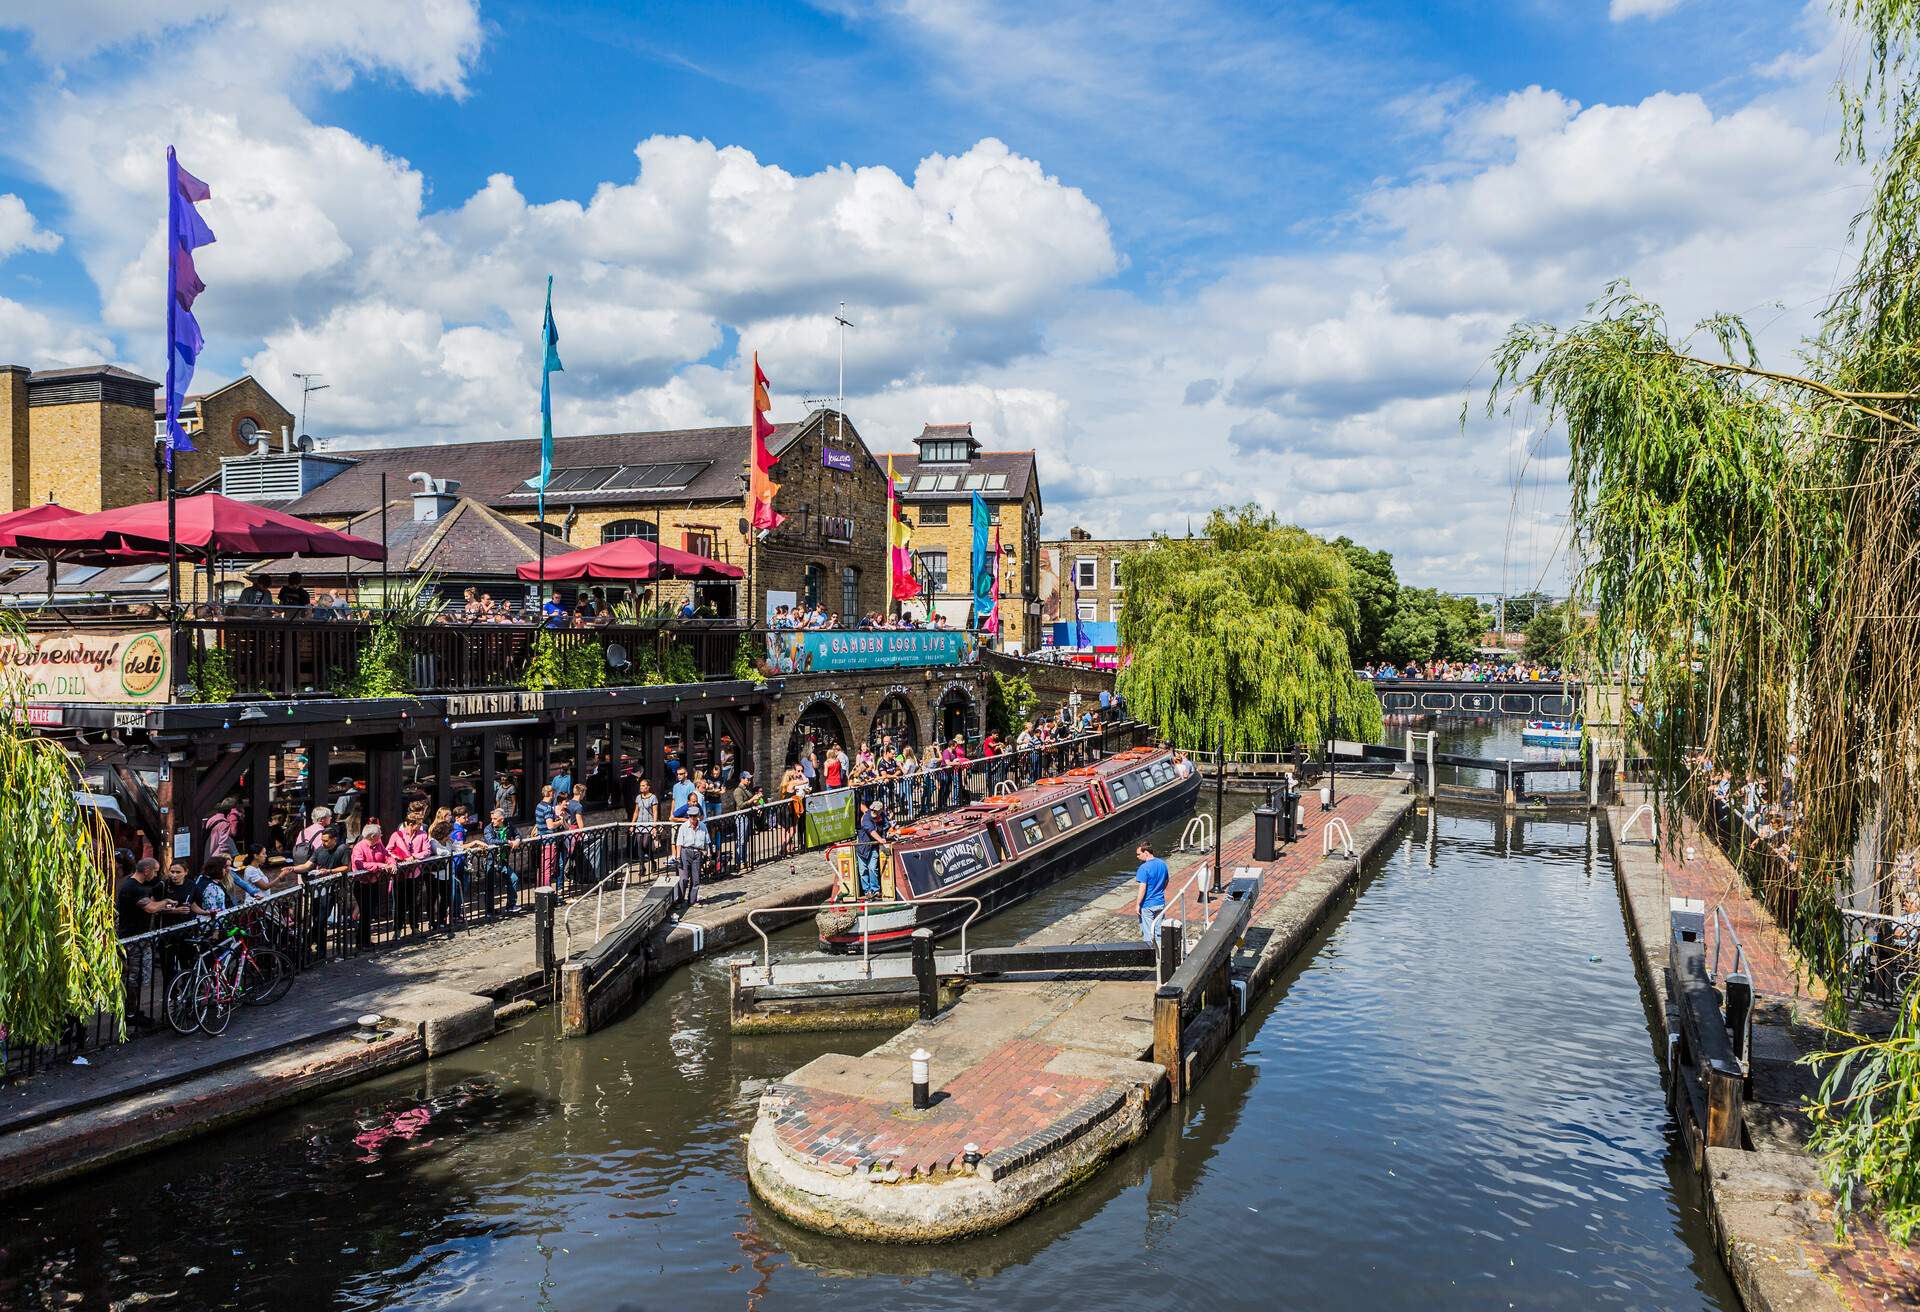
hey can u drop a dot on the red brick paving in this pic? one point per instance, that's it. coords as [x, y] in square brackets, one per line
[1772, 963]
[995, 1103]
[1010, 1095]
[1869, 1270]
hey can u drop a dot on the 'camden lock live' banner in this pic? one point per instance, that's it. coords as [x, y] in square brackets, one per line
[802, 651]
[90, 666]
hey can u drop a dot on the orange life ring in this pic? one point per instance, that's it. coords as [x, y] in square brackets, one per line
[1081, 771]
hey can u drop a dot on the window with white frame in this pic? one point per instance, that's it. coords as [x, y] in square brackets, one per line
[1088, 611]
[1113, 573]
[1086, 573]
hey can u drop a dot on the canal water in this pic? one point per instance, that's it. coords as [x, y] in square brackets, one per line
[1452, 1102]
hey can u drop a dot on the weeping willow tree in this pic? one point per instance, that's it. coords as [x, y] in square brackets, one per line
[58, 957]
[1243, 636]
[1749, 540]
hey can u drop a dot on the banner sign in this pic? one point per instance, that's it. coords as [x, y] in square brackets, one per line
[90, 665]
[806, 651]
[834, 458]
[830, 817]
[933, 868]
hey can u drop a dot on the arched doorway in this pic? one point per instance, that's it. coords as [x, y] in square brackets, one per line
[956, 715]
[895, 718]
[821, 723]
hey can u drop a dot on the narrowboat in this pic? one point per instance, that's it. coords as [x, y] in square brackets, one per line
[1002, 849]
[1551, 733]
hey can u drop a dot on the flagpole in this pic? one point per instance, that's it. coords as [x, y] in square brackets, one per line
[173, 356]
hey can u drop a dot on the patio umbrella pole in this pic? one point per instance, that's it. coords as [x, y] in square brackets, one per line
[386, 599]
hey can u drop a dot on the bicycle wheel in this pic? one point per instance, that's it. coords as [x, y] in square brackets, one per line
[214, 999]
[182, 1004]
[264, 975]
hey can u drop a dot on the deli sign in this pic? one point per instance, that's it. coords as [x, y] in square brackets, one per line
[131, 665]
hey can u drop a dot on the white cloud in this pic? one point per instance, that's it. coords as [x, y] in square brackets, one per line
[1621, 10]
[19, 231]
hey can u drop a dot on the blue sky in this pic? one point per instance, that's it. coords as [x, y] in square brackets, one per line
[1190, 253]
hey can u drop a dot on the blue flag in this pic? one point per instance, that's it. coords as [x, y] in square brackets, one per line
[983, 563]
[186, 232]
[549, 366]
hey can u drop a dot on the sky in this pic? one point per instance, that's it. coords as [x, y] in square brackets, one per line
[1192, 254]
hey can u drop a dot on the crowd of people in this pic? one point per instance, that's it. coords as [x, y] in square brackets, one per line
[582, 608]
[818, 616]
[1493, 671]
[1744, 798]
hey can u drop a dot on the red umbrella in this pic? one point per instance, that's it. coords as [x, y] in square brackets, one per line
[13, 523]
[207, 525]
[630, 558]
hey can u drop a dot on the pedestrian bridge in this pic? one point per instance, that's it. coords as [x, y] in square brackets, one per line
[1554, 701]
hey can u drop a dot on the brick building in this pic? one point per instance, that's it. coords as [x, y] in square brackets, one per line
[936, 486]
[685, 488]
[84, 437]
[1084, 571]
[234, 420]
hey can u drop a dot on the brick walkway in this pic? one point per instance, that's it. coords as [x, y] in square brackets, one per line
[1024, 1090]
[1772, 963]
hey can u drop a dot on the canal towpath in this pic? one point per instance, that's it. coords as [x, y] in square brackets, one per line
[434, 997]
[1045, 1077]
[1772, 1213]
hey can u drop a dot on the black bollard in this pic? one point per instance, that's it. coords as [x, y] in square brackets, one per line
[544, 902]
[926, 973]
[1172, 947]
[922, 1079]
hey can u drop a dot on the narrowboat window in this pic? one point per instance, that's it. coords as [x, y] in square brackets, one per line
[1062, 821]
[1119, 790]
[1086, 807]
[1030, 829]
[1146, 780]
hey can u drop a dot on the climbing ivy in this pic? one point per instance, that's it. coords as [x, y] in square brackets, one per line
[679, 666]
[211, 673]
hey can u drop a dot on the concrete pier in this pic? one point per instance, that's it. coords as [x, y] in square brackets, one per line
[1045, 1077]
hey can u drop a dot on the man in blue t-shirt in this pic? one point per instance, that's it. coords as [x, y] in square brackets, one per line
[1150, 899]
[866, 851]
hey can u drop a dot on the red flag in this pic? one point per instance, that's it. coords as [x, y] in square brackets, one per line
[761, 486]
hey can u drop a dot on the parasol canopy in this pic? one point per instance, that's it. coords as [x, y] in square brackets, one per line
[626, 559]
[206, 525]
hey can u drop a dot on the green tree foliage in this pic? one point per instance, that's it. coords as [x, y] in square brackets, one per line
[212, 676]
[1010, 699]
[1548, 634]
[546, 663]
[679, 665]
[1428, 625]
[1751, 540]
[58, 958]
[747, 657]
[1522, 607]
[584, 666]
[1376, 596]
[1243, 634]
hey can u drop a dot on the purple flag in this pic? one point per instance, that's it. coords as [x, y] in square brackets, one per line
[186, 231]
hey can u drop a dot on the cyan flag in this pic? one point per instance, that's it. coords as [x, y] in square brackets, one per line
[984, 563]
[549, 365]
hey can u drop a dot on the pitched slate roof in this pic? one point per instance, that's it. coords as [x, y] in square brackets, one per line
[89, 371]
[1018, 466]
[469, 540]
[495, 473]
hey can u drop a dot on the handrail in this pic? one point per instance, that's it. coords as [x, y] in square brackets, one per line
[1199, 834]
[1203, 875]
[1739, 953]
[1336, 826]
[1653, 823]
[766, 946]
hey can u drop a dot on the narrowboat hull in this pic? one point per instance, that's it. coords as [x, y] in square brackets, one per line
[1005, 885]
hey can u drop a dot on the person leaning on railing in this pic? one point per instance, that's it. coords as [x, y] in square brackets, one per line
[744, 800]
[373, 870]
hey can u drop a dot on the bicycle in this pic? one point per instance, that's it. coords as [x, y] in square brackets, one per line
[228, 969]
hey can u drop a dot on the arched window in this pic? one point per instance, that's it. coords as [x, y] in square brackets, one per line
[850, 596]
[629, 528]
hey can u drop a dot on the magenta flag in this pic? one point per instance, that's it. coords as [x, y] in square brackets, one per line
[186, 232]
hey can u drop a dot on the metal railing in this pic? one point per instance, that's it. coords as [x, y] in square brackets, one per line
[1653, 823]
[1198, 835]
[866, 952]
[1336, 828]
[1720, 918]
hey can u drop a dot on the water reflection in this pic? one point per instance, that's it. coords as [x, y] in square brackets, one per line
[1451, 1103]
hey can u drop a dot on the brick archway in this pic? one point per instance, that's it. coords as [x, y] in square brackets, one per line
[823, 718]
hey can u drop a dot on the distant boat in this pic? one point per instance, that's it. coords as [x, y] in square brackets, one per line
[1551, 733]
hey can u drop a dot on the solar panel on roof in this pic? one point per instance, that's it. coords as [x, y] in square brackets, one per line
[584, 479]
[632, 476]
[683, 474]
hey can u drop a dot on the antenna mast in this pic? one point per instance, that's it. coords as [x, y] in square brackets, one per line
[307, 388]
[840, 401]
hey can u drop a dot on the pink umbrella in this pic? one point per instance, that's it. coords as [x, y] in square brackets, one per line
[206, 526]
[15, 522]
[626, 559]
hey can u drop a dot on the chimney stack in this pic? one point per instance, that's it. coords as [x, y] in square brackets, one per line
[434, 497]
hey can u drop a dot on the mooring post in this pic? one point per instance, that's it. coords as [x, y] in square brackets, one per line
[922, 1079]
[1433, 786]
[1166, 1036]
[1173, 943]
[1740, 1015]
[926, 973]
[544, 902]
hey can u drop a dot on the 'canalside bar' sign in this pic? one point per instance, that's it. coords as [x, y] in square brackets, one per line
[90, 665]
[807, 651]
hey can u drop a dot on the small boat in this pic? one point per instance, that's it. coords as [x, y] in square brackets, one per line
[1551, 733]
[1002, 849]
